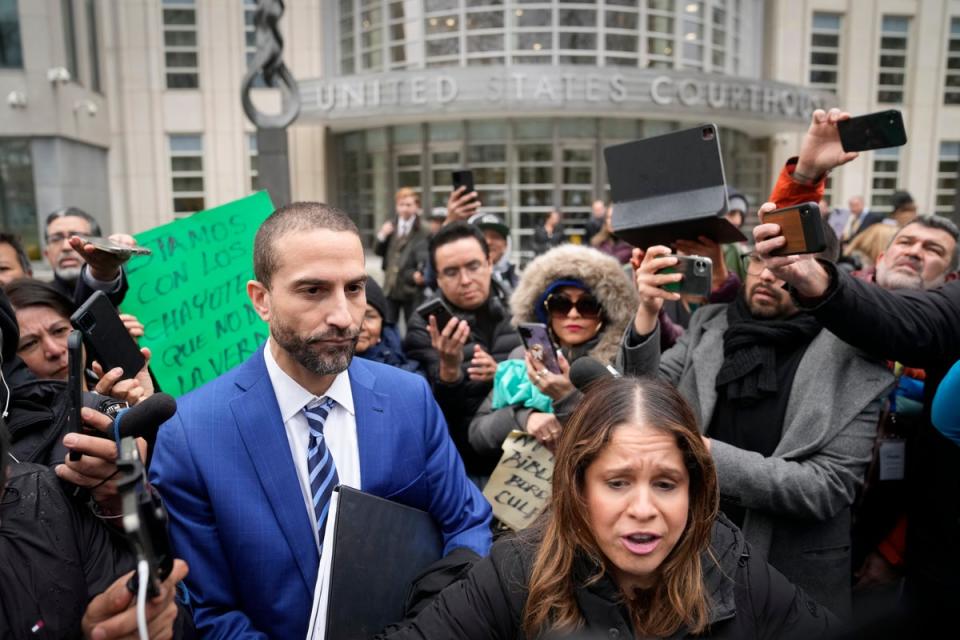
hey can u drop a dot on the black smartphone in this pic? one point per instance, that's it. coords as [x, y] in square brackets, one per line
[873, 131]
[697, 276]
[74, 386]
[802, 226]
[536, 340]
[106, 337]
[437, 308]
[463, 178]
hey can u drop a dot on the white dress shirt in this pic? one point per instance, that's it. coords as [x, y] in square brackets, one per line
[339, 429]
[404, 227]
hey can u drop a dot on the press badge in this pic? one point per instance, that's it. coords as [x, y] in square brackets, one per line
[892, 459]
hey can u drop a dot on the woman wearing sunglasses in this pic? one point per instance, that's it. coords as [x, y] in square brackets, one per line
[586, 301]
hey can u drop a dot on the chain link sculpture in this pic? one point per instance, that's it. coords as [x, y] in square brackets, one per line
[267, 61]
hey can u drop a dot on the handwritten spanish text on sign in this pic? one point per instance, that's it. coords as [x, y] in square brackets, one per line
[191, 293]
[520, 486]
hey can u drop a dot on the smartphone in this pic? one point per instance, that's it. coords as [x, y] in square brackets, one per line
[873, 131]
[437, 308]
[697, 276]
[74, 386]
[801, 226]
[115, 248]
[463, 178]
[106, 337]
[536, 340]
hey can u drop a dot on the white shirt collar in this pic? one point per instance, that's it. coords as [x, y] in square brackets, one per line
[292, 398]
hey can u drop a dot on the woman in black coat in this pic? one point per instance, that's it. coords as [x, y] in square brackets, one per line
[631, 545]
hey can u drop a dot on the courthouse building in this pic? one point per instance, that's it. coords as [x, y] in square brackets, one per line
[131, 109]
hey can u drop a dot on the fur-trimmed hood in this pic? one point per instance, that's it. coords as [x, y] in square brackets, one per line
[602, 273]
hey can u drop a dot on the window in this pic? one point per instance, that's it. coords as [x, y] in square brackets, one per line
[621, 37]
[371, 36]
[254, 165]
[487, 158]
[69, 39]
[11, 55]
[347, 37]
[18, 209]
[403, 29]
[186, 173]
[660, 36]
[94, 45]
[383, 35]
[886, 166]
[947, 167]
[693, 38]
[718, 36]
[893, 59]
[825, 51]
[951, 90]
[180, 44]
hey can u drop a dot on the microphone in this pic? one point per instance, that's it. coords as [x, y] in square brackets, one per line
[586, 370]
[144, 419]
[945, 412]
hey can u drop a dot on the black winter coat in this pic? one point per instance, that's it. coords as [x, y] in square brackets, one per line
[919, 329]
[749, 599]
[491, 329]
[54, 558]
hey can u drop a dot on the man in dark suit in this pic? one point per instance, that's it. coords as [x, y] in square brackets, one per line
[399, 243]
[247, 465]
[79, 269]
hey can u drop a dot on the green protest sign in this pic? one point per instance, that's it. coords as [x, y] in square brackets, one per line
[191, 293]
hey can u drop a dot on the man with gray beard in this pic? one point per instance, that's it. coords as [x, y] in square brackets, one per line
[248, 464]
[923, 255]
[79, 269]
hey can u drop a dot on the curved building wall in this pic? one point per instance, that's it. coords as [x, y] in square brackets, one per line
[397, 35]
[527, 95]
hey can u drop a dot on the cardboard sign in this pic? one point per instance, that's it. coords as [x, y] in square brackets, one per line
[191, 293]
[520, 486]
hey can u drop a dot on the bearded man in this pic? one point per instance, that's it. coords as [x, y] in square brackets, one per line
[248, 464]
[788, 410]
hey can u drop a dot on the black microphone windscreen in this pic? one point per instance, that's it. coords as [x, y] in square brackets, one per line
[586, 370]
[144, 419]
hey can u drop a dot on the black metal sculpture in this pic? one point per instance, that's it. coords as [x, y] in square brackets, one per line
[274, 167]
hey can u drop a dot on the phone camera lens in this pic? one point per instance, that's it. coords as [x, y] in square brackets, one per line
[707, 133]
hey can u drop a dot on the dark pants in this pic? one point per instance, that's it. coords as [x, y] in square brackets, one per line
[396, 306]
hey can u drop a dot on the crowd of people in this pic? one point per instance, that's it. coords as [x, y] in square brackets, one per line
[739, 473]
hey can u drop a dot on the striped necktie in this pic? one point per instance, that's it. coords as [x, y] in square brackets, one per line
[323, 471]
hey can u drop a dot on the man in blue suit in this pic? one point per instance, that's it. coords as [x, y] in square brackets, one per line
[245, 465]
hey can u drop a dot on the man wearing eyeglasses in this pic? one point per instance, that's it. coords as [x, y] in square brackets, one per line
[79, 269]
[788, 410]
[461, 357]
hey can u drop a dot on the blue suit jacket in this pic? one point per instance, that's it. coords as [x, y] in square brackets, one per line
[237, 515]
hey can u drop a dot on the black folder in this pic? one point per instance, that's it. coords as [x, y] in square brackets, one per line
[670, 187]
[379, 547]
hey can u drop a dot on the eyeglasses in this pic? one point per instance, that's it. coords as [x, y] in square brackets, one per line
[472, 268]
[60, 236]
[560, 305]
[753, 264]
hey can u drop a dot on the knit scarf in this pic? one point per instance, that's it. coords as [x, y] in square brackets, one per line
[749, 370]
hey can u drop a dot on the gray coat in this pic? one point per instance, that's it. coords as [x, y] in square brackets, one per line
[798, 500]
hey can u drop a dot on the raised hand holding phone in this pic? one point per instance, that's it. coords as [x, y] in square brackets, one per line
[650, 285]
